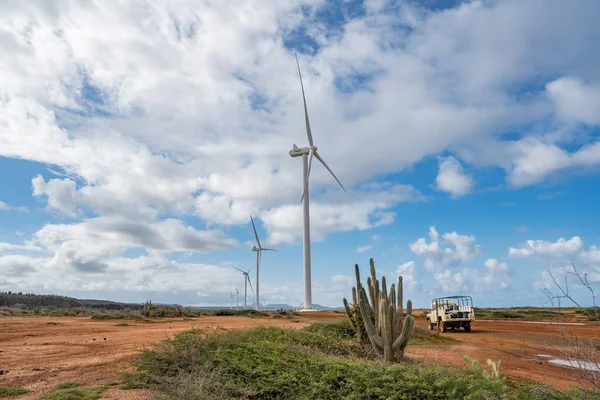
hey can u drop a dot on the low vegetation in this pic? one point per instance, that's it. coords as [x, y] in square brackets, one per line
[89, 393]
[67, 385]
[320, 361]
[6, 392]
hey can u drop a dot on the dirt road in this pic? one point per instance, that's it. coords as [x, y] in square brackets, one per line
[523, 348]
[39, 354]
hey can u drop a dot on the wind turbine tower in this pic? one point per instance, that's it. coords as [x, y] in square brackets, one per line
[307, 154]
[246, 283]
[258, 251]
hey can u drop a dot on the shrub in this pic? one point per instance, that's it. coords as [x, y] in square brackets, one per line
[67, 385]
[316, 362]
[11, 392]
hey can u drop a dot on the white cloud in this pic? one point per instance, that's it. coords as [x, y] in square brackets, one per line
[6, 207]
[409, 276]
[182, 136]
[535, 160]
[574, 100]
[28, 246]
[493, 277]
[561, 247]
[362, 249]
[559, 256]
[462, 248]
[451, 178]
[109, 236]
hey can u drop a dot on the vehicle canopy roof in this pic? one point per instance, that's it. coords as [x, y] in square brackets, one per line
[461, 300]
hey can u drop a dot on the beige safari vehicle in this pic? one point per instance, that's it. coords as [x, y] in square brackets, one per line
[452, 312]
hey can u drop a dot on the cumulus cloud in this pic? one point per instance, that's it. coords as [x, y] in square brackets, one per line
[493, 276]
[203, 129]
[561, 248]
[461, 248]
[451, 178]
[575, 100]
[445, 265]
[560, 256]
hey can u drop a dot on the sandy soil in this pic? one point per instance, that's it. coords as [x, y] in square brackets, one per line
[517, 344]
[38, 355]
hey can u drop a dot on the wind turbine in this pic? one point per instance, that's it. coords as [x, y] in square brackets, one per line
[246, 283]
[305, 152]
[258, 251]
[237, 299]
[231, 296]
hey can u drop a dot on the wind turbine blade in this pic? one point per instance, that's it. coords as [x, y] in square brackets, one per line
[312, 153]
[254, 227]
[329, 169]
[308, 132]
[250, 283]
[269, 249]
[240, 270]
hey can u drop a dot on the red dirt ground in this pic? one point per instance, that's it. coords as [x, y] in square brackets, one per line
[75, 349]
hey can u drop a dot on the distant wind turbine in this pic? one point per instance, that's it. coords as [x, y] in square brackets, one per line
[305, 152]
[258, 250]
[246, 283]
[237, 299]
[231, 296]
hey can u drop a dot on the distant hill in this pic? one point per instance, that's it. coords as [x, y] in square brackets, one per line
[30, 300]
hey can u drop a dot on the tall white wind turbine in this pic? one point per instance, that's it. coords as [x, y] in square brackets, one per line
[258, 251]
[246, 283]
[307, 154]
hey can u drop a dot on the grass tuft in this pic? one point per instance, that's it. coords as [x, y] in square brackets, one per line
[11, 392]
[92, 393]
[67, 385]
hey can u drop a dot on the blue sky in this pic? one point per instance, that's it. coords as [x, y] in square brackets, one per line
[465, 132]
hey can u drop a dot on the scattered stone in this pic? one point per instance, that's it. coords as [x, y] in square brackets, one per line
[94, 339]
[3, 371]
[36, 369]
[104, 338]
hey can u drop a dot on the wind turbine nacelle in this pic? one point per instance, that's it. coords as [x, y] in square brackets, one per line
[299, 151]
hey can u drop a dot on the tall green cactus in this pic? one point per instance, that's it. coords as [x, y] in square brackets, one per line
[382, 318]
[353, 313]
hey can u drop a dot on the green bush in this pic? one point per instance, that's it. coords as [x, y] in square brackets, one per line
[67, 385]
[232, 313]
[11, 392]
[320, 362]
[93, 393]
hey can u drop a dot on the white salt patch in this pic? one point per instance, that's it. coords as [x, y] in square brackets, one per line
[543, 355]
[534, 322]
[577, 364]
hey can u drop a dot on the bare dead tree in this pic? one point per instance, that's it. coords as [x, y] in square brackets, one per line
[580, 353]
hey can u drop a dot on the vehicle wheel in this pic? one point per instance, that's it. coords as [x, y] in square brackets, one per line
[443, 326]
[467, 328]
[430, 325]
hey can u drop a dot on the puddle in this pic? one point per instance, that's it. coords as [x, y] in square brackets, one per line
[535, 322]
[543, 355]
[577, 364]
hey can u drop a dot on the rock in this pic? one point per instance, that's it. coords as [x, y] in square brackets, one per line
[36, 369]
[3, 371]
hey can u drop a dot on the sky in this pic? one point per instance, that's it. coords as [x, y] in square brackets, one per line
[137, 137]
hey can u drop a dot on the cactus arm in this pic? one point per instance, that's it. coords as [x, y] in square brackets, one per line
[401, 341]
[375, 339]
